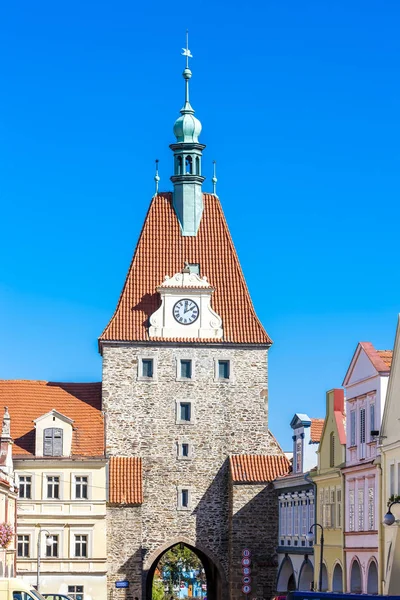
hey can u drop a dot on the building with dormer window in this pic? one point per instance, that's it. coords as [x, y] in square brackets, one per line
[297, 508]
[365, 384]
[60, 466]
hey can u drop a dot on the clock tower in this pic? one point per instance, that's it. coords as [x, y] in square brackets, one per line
[185, 397]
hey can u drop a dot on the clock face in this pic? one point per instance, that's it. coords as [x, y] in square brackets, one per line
[185, 311]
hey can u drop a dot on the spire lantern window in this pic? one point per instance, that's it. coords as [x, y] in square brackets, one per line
[189, 165]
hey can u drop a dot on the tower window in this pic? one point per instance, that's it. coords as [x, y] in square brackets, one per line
[188, 165]
[223, 369]
[184, 497]
[185, 450]
[186, 369]
[179, 165]
[147, 368]
[198, 166]
[185, 411]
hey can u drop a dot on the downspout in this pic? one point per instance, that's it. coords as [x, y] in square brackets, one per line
[382, 489]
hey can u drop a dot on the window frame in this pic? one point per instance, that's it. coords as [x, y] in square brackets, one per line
[180, 490]
[28, 541]
[60, 486]
[32, 478]
[51, 548]
[178, 368]
[180, 443]
[219, 379]
[74, 594]
[178, 419]
[139, 374]
[74, 484]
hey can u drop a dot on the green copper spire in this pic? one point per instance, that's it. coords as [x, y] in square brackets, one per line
[187, 178]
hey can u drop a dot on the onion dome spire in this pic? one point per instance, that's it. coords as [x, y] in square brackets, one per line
[187, 177]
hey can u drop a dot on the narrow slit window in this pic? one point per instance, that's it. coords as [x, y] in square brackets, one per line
[185, 411]
[185, 450]
[147, 368]
[179, 165]
[185, 498]
[198, 166]
[186, 369]
[223, 369]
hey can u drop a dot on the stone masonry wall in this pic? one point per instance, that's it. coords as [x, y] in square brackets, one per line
[229, 418]
[254, 525]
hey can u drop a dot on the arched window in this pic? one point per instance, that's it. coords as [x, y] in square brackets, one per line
[372, 580]
[188, 165]
[337, 579]
[179, 165]
[198, 166]
[332, 450]
[355, 578]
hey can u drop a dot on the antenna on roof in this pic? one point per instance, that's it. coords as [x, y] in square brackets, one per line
[156, 177]
[214, 179]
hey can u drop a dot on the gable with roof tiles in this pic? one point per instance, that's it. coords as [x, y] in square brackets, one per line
[80, 403]
[367, 362]
[161, 251]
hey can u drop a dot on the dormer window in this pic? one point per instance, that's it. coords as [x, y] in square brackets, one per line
[53, 442]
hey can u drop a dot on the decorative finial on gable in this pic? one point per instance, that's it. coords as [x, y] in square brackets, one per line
[214, 179]
[6, 428]
[156, 177]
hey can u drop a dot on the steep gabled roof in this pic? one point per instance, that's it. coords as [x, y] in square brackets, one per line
[381, 360]
[81, 402]
[162, 250]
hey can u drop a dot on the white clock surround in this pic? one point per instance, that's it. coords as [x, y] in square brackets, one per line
[192, 287]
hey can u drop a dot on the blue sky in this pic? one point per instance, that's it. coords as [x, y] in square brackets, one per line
[299, 103]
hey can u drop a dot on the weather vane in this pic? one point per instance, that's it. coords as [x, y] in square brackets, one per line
[185, 51]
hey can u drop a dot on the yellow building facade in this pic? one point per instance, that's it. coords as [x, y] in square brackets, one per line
[60, 468]
[330, 497]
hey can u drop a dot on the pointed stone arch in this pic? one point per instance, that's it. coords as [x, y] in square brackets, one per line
[217, 584]
[372, 577]
[325, 584]
[337, 578]
[355, 576]
[286, 581]
[306, 576]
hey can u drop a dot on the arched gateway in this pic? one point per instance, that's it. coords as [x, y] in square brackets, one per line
[185, 399]
[217, 584]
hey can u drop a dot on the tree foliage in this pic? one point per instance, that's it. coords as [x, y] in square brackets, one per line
[176, 566]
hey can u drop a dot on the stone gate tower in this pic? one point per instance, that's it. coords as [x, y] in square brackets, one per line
[185, 397]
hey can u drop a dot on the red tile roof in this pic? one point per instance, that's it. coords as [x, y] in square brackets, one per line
[258, 468]
[317, 426]
[381, 359]
[125, 480]
[28, 400]
[162, 250]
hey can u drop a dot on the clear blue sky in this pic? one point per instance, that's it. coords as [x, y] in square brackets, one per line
[300, 107]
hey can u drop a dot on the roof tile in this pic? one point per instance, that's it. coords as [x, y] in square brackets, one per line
[28, 400]
[258, 468]
[161, 251]
[317, 426]
[125, 480]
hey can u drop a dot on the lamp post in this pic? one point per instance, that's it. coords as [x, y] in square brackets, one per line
[310, 538]
[49, 541]
[389, 518]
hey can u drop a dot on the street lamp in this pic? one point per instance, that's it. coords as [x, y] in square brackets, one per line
[49, 541]
[389, 518]
[310, 538]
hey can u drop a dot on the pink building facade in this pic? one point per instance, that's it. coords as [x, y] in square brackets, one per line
[365, 387]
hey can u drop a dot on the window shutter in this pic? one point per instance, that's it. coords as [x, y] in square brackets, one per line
[353, 428]
[362, 425]
[48, 442]
[57, 442]
[52, 442]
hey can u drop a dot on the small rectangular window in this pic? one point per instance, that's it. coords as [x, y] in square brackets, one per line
[194, 268]
[81, 487]
[23, 546]
[223, 369]
[185, 450]
[53, 441]
[184, 498]
[186, 369]
[53, 487]
[185, 410]
[147, 368]
[75, 592]
[25, 486]
[52, 548]
[81, 546]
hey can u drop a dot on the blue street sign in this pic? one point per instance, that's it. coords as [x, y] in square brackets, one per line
[122, 584]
